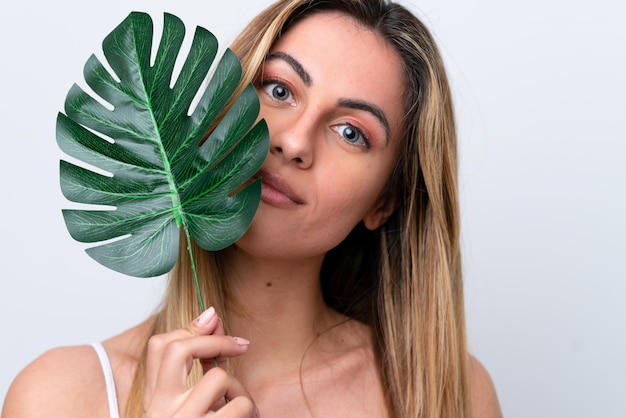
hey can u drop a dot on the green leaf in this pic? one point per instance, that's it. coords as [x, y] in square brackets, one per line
[161, 174]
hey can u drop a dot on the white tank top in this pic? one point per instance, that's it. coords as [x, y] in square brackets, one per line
[108, 379]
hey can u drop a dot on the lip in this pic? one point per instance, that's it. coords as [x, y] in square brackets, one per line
[276, 191]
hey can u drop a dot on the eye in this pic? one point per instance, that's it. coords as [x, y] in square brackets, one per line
[351, 134]
[276, 91]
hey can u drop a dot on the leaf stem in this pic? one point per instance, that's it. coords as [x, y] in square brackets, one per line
[196, 280]
[195, 272]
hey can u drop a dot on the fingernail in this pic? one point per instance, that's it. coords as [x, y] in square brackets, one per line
[241, 341]
[205, 317]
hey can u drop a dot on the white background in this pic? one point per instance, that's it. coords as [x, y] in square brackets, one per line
[540, 95]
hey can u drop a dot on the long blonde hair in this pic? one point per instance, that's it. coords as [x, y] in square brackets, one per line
[404, 279]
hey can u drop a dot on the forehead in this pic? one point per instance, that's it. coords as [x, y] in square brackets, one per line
[356, 62]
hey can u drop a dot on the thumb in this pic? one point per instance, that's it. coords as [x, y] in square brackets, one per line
[209, 323]
[219, 327]
[206, 323]
[219, 330]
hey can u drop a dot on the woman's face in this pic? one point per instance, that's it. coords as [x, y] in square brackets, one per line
[331, 93]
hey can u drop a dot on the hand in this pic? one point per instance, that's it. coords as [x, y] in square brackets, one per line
[169, 362]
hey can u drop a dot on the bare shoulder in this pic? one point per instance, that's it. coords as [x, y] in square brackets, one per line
[69, 381]
[484, 400]
[64, 382]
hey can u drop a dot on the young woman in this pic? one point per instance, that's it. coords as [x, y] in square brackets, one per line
[345, 295]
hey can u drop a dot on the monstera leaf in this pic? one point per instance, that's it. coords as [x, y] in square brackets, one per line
[147, 159]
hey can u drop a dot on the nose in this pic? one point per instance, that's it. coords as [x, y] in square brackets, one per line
[292, 141]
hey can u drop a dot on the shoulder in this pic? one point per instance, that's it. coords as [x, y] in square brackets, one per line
[483, 397]
[65, 381]
[69, 381]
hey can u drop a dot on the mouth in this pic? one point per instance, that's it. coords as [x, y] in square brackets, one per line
[276, 191]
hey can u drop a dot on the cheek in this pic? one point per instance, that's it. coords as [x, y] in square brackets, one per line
[348, 198]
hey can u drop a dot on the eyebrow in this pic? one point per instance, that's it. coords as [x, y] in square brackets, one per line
[371, 108]
[293, 63]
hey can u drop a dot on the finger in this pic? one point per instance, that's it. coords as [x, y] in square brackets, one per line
[240, 406]
[205, 324]
[219, 327]
[213, 388]
[208, 364]
[177, 359]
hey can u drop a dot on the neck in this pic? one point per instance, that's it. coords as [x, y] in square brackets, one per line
[278, 306]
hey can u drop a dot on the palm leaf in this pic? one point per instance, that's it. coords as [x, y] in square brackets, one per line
[159, 174]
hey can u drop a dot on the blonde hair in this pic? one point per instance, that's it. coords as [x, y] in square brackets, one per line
[404, 279]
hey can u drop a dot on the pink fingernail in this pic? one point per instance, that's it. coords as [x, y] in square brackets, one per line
[205, 317]
[241, 341]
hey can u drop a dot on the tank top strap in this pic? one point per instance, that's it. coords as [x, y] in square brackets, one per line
[108, 379]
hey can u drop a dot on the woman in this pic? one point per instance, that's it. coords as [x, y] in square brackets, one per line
[346, 291]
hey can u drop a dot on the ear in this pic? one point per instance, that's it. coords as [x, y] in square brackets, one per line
[384, 207]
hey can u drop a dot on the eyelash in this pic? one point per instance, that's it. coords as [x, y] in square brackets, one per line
[279, 83]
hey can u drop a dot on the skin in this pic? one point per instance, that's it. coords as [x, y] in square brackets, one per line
[331, 155]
